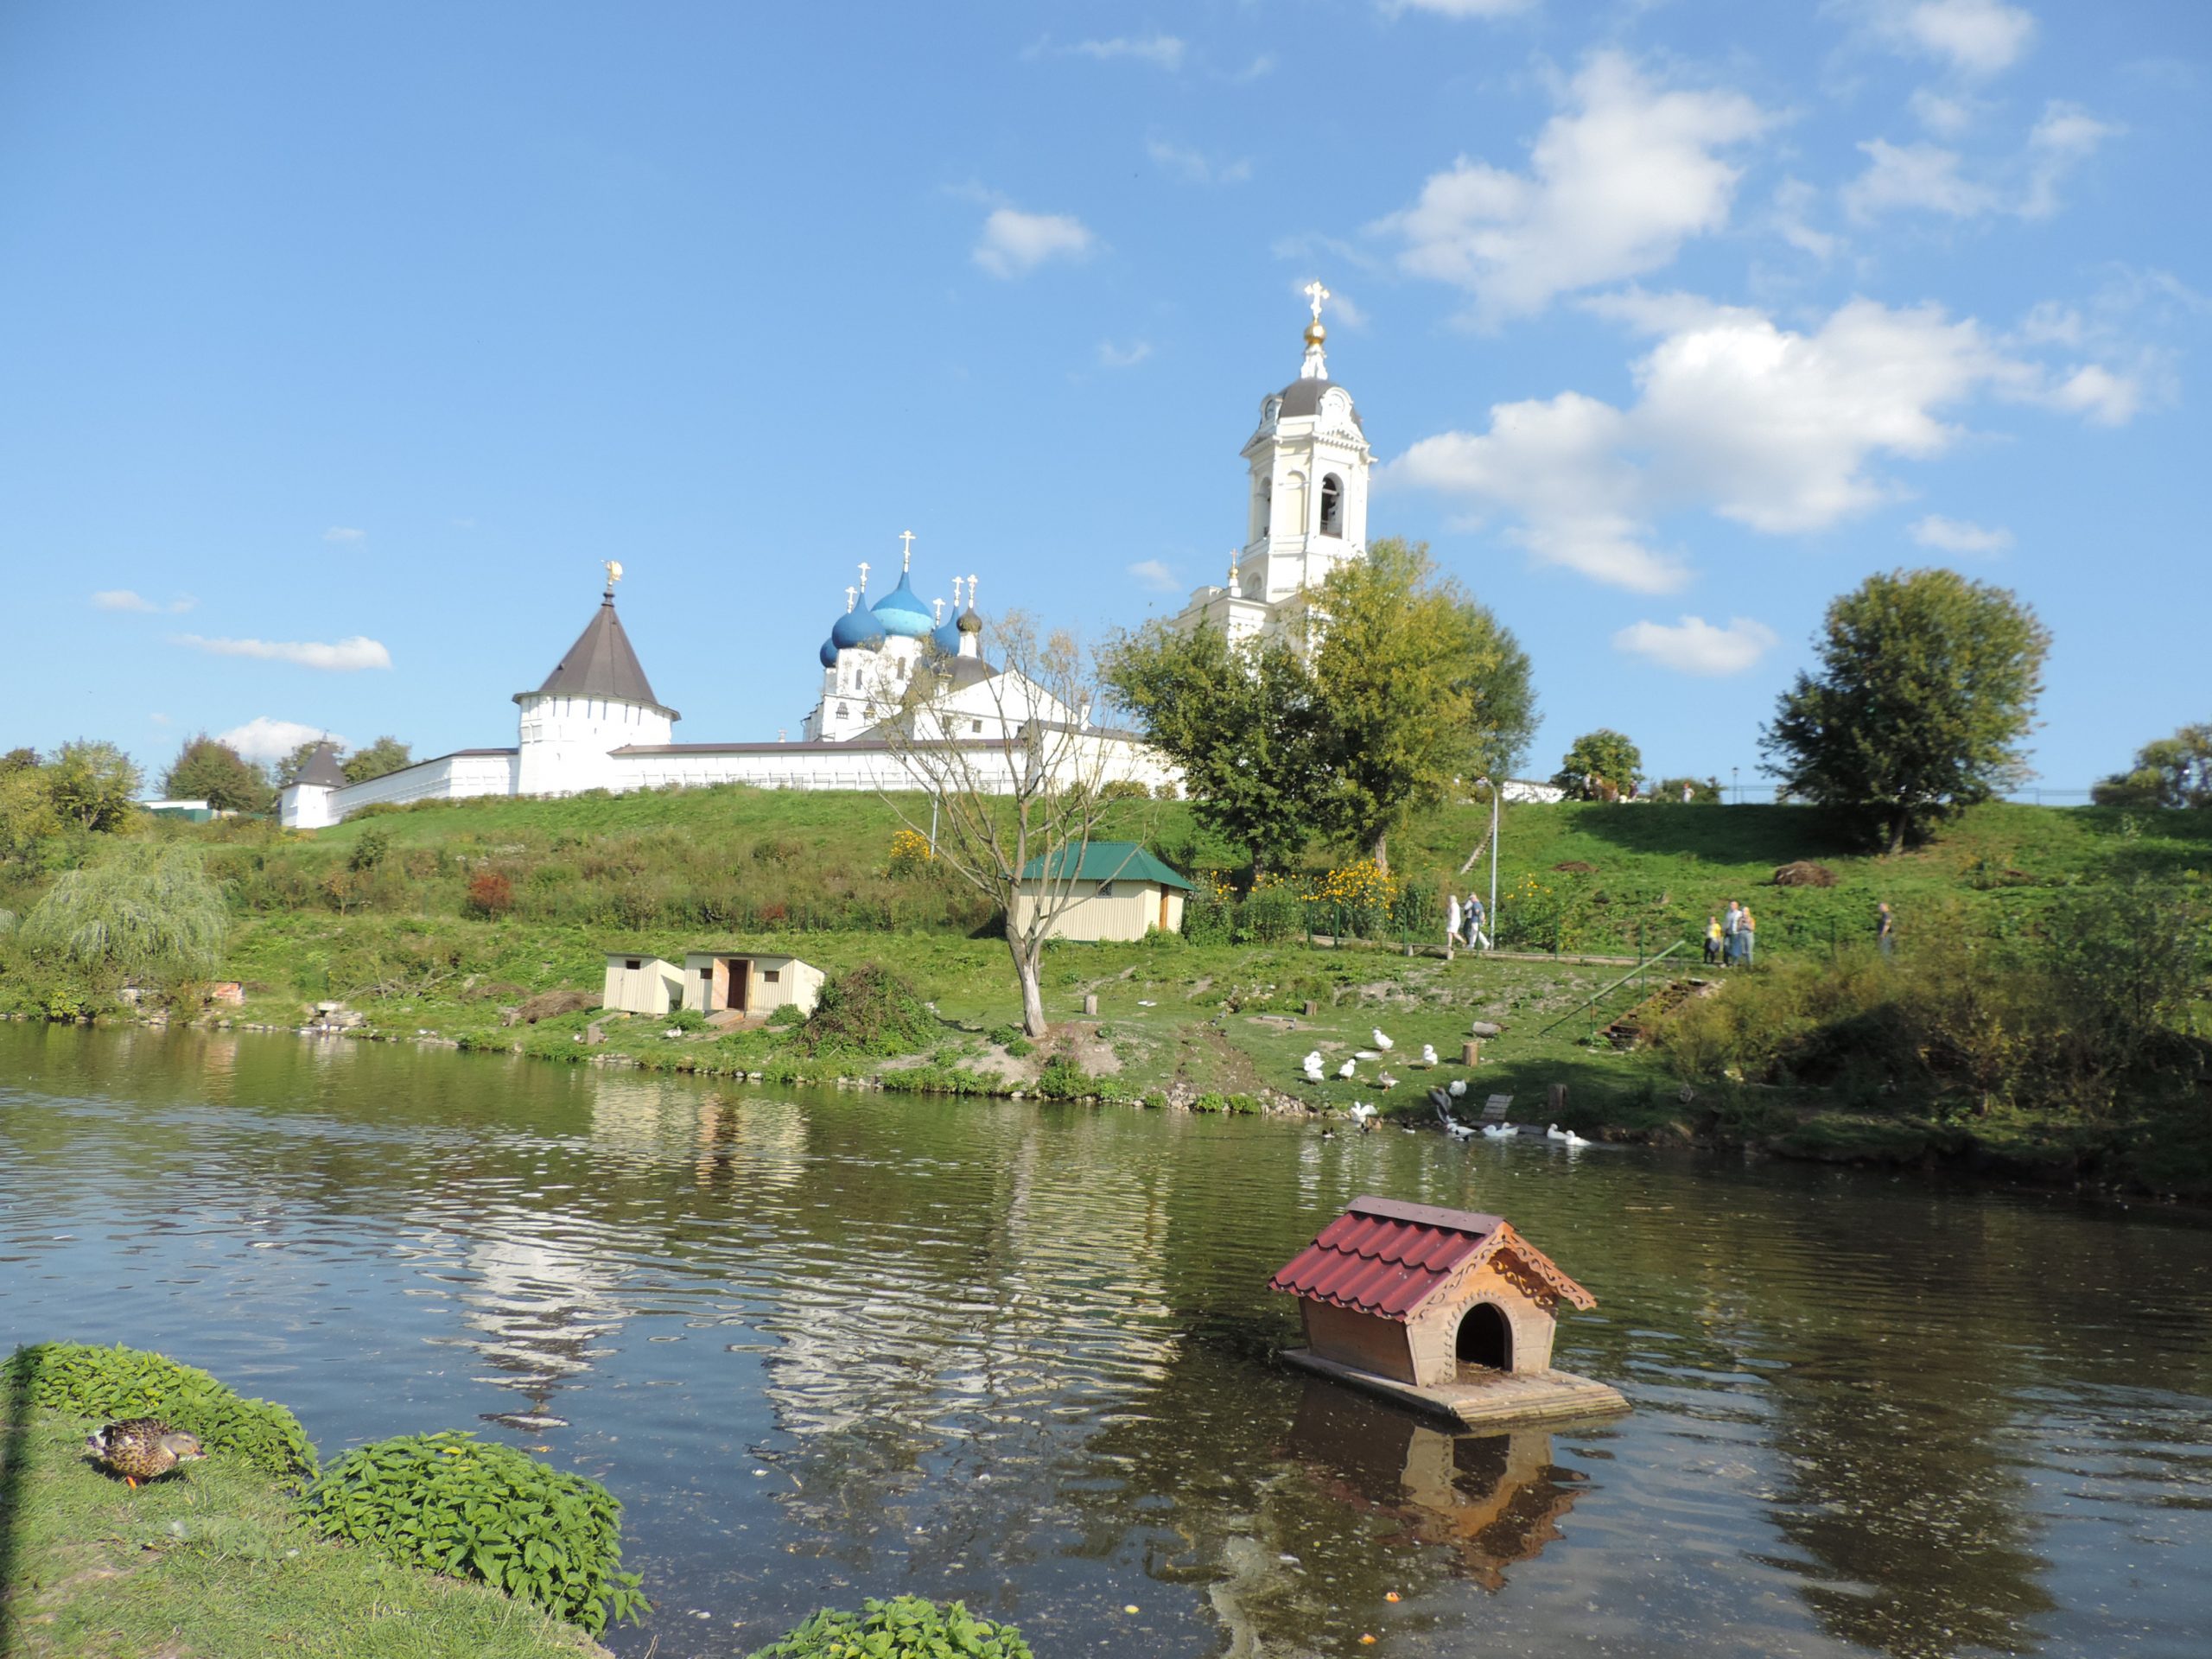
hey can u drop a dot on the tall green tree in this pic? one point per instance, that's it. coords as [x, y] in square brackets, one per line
[208, 770]
[2173, 771]
[1600, 761]
[385, 754]
[143, 907]
[1243, 722]
[1424, 690]
[92, 785]
[1927, 686]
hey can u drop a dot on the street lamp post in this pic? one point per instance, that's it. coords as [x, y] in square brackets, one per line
[1492, 930]
[1735, 787]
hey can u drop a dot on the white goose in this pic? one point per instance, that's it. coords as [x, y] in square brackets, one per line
[1457, 1130]
[1348, 1070]
[1499, 1132]
[1568, 1138]
[1364, 1113]
[1458, 1086]
[1428, 1053]
[1383, 1039]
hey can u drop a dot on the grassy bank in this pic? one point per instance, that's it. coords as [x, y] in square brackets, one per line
[446, 921]
[216, 1562]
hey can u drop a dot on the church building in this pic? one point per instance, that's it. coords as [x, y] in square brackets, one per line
[595, 722]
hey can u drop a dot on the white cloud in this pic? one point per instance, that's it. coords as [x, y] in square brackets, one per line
[1616, 184]
[1262, 66]
[1462, 7]
[340, 533]
[264, 738]
[122, 599]
[1793, 203]
[343, 658]
[1015, 244]
[1925, 177]
[1976, 37]
[1945, 116]
[1959, 535]
[2066, 134]
[1694, 646]
[1153, 575]
[1111, 356]
[1196, 165]
[1778, 430]
[1162, 51]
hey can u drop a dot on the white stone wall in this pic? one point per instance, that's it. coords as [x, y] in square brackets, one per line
[837, 766]
[565, 740]
[448, 777]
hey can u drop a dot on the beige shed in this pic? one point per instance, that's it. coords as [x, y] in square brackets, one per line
[1112, 890]
[747, 981]
[641, 984]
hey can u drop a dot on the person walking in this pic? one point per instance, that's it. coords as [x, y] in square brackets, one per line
[1450, 923]
[1747, 935]
[1712, 940]
[1885, 930]
[1728, 934]
[1478, 924]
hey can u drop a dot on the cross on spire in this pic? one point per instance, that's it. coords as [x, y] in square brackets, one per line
[852, 595]
[863, 575]
[1315, 294]
[906, 557]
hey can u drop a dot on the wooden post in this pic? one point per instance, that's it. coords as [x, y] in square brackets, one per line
[1555, 1100]
[1312, 1008]
[1090, 1003]
[1470, 1051]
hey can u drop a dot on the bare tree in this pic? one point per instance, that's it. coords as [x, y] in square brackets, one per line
[1015, 771]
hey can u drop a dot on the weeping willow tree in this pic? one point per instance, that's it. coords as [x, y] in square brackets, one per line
[143, 908]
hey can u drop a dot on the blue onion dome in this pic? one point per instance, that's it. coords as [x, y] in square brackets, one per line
[947, 638]
[857, 628]
[829, 653]
[900, 612]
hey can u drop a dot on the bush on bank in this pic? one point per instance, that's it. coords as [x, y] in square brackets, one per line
[114, 1382]
[475, 1508]
[905, 1627]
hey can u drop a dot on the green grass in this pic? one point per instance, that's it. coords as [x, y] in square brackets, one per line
[215, 1560]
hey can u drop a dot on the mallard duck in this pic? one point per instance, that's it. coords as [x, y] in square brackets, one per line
[141, 1449]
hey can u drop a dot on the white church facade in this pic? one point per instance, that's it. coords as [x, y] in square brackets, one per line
[596, 723]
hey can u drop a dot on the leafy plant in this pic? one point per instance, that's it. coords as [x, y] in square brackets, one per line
[94, 1381]
[475, 1508]
[905, 1627]
[868, 1011]
[145, 907]
[490, 893]
[370, 850]
[1062, 1079]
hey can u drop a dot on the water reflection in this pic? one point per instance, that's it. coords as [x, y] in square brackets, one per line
[832, 1344]
[1491, 1500]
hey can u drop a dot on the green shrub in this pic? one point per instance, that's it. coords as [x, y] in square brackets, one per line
[869, 1011]
[905, 1627]
[370, 850]
[1062, 1079]
[91, 1381]
[786, 1014]
[1272, 914]
[143, 906]
[1209, 921]
[475, 1508]
[687, 1020]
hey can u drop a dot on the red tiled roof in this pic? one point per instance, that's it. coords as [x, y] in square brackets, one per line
[1386, 1258]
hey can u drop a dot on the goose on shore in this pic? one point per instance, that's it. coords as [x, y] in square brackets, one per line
[1458, 1087]
[1382, 1039]
[1348, 1070]
[1428, 1053]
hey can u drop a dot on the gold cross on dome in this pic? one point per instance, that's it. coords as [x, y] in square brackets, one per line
[906, 552]
[1315, 294]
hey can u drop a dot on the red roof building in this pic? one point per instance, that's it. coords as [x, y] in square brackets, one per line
[1413, 1292]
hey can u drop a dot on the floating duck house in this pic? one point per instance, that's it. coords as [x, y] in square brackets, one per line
[1446, 1310]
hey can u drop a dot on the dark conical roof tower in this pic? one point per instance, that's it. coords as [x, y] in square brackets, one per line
[321, 767]
[602, 663]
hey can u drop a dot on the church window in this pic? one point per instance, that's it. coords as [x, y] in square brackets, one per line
[843, 713]
[1332, 506]
[975, 725]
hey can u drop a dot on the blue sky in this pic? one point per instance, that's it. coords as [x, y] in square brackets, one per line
[340, 343]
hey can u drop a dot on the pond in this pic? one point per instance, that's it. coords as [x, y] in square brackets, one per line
[832, 1344]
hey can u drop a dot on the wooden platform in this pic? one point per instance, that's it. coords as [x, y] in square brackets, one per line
[1482, 1397]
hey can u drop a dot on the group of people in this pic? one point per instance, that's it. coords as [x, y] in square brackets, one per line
[1728, 940]
[1465, 922]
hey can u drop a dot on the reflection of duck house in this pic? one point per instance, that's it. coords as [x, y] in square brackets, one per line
[1493, 1500]
[1443, 1309]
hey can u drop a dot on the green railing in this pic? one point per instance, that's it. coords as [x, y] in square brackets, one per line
[1637, 973]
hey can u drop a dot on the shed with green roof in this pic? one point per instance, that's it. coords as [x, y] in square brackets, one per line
[1103, 890]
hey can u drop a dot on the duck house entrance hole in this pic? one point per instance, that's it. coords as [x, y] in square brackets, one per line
[1485, 1337]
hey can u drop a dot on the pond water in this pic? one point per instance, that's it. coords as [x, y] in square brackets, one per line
[828, 1344]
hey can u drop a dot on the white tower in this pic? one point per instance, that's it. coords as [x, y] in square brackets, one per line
[305, 803]
[596, 700]
[1307, 514]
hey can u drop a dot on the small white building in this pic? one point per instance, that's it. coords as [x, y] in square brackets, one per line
[641, 984]
[748, 981]
[1112, 890]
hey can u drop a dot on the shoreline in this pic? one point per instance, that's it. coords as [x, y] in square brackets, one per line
[1817, 1134]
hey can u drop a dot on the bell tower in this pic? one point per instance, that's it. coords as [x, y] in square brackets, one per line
[1308, 467]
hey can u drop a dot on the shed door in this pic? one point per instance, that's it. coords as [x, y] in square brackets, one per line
[741, 984]
[1485, 1337]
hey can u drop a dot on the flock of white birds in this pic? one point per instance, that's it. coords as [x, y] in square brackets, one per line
[1363, 1113]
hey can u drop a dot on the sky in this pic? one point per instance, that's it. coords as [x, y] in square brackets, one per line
[340, 344]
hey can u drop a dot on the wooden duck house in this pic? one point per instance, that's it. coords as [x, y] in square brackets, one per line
[1444, 1309]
